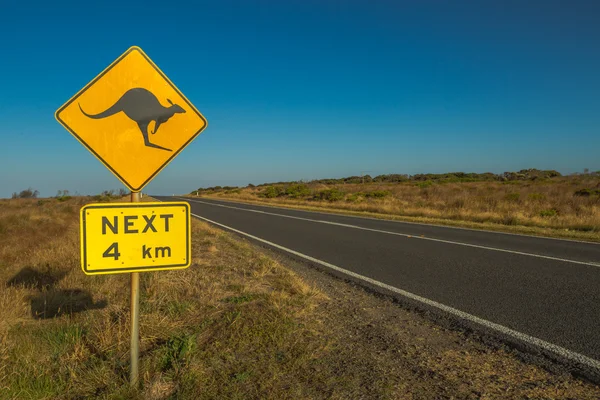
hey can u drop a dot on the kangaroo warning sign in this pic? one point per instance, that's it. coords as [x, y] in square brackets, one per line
[132, 118]
[134, 237]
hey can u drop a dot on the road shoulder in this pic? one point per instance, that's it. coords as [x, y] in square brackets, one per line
[421, 355]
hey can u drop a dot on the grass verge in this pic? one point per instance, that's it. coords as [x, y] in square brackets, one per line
[236, 324]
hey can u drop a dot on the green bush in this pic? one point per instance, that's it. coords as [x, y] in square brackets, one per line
[329, 195]
[271, 192]
[26, 194]
[536, 196]
[551, 212]
[587, 192]
[424, 184]
[392, 178]
[297, 190]
[100, 198]
[377, 194]
[583, 192]
[514, 197]
[354, 197]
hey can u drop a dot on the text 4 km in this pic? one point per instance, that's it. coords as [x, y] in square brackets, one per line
[162, 251]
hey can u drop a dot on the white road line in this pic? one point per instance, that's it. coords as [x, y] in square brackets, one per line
[531, 340]
[406, 235]
[289, 208]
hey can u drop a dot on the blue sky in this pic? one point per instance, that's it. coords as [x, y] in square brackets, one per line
[312, 89]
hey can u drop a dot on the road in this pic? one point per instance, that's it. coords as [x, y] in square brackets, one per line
[543, 291]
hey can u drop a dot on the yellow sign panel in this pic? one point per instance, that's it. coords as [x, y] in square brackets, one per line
[134, 237]
[132, 118]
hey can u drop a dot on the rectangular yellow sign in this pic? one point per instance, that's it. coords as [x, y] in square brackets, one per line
[135, 237]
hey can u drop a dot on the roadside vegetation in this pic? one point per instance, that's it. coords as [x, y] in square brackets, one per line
[528, 201]
[236, 324]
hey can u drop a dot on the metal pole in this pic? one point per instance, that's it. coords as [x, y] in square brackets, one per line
[135, 316]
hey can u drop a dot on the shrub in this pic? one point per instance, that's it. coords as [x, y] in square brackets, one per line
[514, 197]
[551, 212]
[377, 194]
[536, 196]
[63, 195]
[587, 192]
[26, 194]
[354, 197]
[391, 178]
[510, 220]
[583, 192]
[424, 184]
[271, 192]
[329, 195]
[297, 190]
[100, 198]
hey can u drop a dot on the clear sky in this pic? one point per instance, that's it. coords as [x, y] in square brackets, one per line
[312, 89]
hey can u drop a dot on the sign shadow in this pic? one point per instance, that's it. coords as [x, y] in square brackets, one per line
[54, 303]
[51, 302]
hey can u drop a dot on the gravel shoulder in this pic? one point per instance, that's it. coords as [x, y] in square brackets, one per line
[399, 352]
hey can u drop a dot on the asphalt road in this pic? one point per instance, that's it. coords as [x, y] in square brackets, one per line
[548, 289]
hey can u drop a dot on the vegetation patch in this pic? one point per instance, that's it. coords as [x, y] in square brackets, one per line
[296, 191]
[550, 212]
[271, 192]
[330, 195]
[540, 202]
[512, 197]
[239, 299]
[585, 192]
[377, 194]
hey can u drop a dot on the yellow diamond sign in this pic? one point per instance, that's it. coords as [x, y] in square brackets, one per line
[132, 118]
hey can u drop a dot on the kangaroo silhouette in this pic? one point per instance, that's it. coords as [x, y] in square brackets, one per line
[141, 106]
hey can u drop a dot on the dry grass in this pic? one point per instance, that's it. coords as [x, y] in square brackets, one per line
[548, 207]
[232, 325]
[236, 324]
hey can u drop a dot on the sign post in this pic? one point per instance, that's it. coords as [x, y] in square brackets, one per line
[135, 317]
[135, 121]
